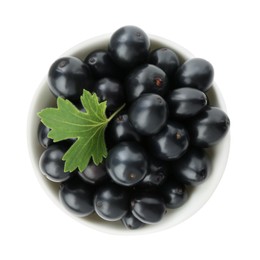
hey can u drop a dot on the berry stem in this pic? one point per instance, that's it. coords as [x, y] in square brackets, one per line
[115, 113]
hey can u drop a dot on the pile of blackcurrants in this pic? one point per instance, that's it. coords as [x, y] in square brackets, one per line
[155, 144]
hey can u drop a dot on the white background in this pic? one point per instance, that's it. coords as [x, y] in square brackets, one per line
[34, 33]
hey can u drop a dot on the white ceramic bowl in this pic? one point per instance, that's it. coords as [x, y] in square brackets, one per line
[219, 154]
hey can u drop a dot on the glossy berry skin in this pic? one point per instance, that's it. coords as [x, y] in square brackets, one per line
[146, 79]
[148, 207]
[192, 168]
[148, 114]
[174, 194]
[129, 47]
[131, 222]
[43, 139]
[209, 127]
[67, 77]
[120, 129]
[165, 59]
[127, 163]
[156, 175]
[195, 73]
[77, 196]
[101, 65]
[51, 164]
[94, 174]
[110, 90]
[170, 143]
[111, 201]
[186, 102]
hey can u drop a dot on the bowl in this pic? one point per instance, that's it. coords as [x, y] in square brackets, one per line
[200, 194]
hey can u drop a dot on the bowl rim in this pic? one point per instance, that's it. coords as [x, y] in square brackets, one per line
[31, 142]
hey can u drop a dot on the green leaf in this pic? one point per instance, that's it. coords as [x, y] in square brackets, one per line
[66, 122]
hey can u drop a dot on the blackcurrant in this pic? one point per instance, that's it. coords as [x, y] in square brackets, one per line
[43, 132]
[67, 77]
[94, 174]
[166, 59]
[195, 73]
[174, 193]
[101, 65]
[209, 127]
[127, 163]
[129, 46]
[156, 175]
[148, 114]
[77, 196]
[192, 168]
[111, 201]
[146, 79]
[110, 90]
[51, 163]
[120, 129]
[148, 207]
[131, 222]
[170, 143]
[186, 102]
